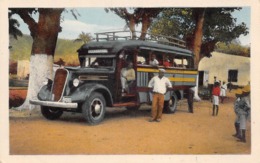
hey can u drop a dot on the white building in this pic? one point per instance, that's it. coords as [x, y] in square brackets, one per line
[23, 68]
[225, 67]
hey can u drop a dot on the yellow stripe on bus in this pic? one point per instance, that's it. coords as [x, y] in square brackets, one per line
[172, 79]
[168, 71]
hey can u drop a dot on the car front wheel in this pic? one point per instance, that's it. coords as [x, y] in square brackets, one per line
[94, 108]
[51, 113]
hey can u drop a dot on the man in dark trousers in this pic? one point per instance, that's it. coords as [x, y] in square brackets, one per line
[242, 110]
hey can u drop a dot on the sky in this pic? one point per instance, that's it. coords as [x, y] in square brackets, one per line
[94, 20]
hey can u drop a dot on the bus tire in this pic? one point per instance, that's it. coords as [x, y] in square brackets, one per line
[94, 108]
[171, 105]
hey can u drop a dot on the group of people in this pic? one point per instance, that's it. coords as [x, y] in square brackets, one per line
[128, 73]
[166, 62]
[241, 106]
[158, 84]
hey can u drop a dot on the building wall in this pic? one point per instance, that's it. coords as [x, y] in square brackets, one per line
[23, 68]
[219, 64]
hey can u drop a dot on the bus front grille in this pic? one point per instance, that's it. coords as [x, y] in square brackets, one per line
[59, 83]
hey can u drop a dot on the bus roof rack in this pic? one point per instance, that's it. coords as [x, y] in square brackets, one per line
[127, 35]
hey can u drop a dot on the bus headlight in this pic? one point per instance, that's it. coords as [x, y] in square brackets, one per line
[47, 81]
[76, 82]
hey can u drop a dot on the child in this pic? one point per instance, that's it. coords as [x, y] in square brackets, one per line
[215, 97]
[223, 91]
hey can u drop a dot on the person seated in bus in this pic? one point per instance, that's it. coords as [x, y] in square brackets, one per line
[174, 64]
[153, 61]
[127, 77]
[140, 60]
[166, 62]
[97, 62]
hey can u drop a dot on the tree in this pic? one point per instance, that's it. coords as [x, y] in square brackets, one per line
[199, 16]
[210, 25]
[132, 19]
[233, 48]
[84, 37]
[14, 27]
[139, 15]
[44, 34]
[201, 28]
[147, 16]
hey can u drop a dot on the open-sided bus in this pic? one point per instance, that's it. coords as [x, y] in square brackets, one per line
[88, 89]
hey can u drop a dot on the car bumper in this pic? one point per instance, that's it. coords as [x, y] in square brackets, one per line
[54, 104]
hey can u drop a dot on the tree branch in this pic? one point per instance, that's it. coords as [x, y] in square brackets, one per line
[25, 14]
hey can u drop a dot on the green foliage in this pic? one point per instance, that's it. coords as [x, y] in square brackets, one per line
[219, 24]
[84, 37]
[232, 48]
[21, 48]
[14, 27]
[65, 49]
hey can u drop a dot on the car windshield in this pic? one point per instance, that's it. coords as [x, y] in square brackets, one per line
[98, 62]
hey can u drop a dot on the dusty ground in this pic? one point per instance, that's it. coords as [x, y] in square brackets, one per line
[128, 132]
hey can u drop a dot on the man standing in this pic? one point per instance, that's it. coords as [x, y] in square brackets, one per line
[159, 86]
[215, 97]
[242, 110]
[127, 76]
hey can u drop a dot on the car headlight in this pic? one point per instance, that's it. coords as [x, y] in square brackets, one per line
[76, 82]
[47, 81]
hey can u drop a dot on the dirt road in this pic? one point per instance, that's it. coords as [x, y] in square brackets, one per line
[129, 132]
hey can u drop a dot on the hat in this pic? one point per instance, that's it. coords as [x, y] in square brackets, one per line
[161, 70]
[238, 91]
[246, 89]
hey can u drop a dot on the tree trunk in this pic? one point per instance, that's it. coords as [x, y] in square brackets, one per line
[38, 74]
[198, 35]
[145, 25]
[45, 36]
[132, 27]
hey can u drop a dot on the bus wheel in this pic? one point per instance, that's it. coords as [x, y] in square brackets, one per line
[94, 108]
[51, 113]
[171, 105]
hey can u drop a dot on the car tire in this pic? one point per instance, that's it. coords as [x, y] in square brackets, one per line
[171, 105]
[51, 113]
[94, 108]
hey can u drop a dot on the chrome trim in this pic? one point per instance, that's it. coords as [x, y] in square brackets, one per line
[54, 104]
[92, 77]
[64, 83]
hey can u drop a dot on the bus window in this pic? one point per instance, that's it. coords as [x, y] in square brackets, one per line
[181, 62]
[142, 57]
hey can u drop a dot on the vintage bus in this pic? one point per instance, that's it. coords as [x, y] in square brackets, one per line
[96, 83]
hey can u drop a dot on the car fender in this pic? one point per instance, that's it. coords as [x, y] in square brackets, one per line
[45, 93]
[83, 92]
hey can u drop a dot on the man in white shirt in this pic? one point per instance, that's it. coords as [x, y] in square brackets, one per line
[153, 61]
[159, 84]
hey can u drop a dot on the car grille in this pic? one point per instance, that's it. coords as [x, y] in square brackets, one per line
[59, 83]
